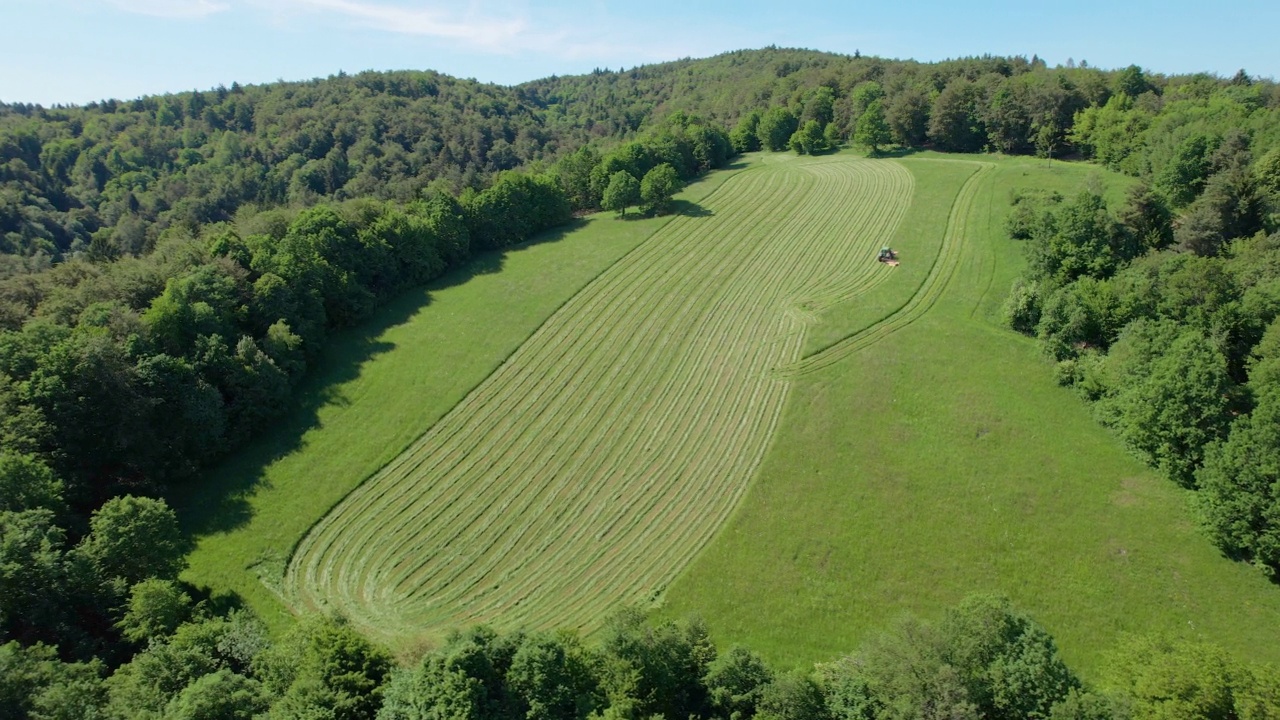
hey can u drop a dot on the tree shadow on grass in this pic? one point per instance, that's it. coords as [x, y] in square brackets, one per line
[218, 500]
[897, 152]
[689, 209]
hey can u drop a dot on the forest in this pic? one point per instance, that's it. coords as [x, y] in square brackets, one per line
[170, 265]
[982, 659]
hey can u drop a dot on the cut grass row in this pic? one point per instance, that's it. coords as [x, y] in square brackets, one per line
[602, 455]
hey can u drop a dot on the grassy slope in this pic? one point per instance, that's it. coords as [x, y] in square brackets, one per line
[608, 450]
[380, 387]
[943, 461]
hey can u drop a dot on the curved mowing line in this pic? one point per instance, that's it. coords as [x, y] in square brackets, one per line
[608, 449]
[918, 304]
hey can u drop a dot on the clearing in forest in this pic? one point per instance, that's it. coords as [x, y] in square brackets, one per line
[611, 446]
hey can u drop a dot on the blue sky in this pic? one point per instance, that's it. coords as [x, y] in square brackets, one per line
[75, 51]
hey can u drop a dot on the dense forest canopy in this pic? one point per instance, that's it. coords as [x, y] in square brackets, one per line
[170, 265]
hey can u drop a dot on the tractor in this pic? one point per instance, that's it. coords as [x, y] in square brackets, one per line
[888, 257]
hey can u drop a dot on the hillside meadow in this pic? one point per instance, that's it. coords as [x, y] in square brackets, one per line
[943, 459]
[378, 388]
[922, 451]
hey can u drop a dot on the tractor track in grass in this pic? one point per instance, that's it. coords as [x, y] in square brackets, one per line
[607, 450]
[934, 285]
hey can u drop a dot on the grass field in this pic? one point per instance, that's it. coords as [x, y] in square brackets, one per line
[935, 457]
[380, 387]
[735, 413]
[602, 455]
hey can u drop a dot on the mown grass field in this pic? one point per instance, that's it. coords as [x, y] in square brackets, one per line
[380, 387]
[600, 458]
[936, 458]
[736, 413]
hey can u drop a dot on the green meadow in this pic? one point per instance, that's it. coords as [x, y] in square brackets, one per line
[943, 460]
[733, 412]
[380, 387]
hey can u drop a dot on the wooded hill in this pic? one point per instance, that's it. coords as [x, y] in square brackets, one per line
[169, 266]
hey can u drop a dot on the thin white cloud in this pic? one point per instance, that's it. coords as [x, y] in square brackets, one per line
[489, 32]
[171, 8]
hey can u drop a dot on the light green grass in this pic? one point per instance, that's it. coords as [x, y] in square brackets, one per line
[377, 389]
[590, 468]
[943, 460]
[936, 459]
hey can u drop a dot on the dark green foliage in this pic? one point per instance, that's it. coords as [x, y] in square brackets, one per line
[656, 189]
[1022, 307]
[1082, 705]
[776, 128]
[656, 670]
[954, 123]
[744, 135]
[736, 682]
[1147, 219]
[907, 114]
[809, 139]
[1184, 175]
[553, 676]
[574, 173]
[27, 484]
[1131, 82]
[35, 683]
[35, 576]
[156, 608]
[1172, 395]
[1240, 480]
[983, 660]
[622, 192]
[132, 539]
[324, 668]
[793, 696]
[872, 130]
[156, 676]
[515, 208]
[221, 695]
[1079, 239]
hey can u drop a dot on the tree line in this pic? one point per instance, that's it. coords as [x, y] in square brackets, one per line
[1162, 312]
[981, 659]
[111, 177]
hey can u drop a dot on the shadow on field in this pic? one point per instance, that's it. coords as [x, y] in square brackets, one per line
[898, 152]
[689, 209]
[677, 207]
[218, 501]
